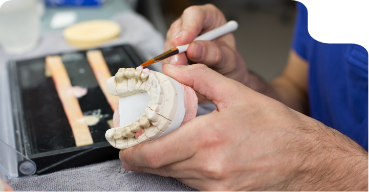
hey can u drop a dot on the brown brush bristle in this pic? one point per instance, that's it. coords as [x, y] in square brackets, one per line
[149, 62]
[162, 56]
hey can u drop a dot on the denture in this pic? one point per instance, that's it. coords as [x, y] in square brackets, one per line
[164, 113]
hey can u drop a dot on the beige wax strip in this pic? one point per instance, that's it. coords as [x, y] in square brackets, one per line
[102, 74]
[81, 132]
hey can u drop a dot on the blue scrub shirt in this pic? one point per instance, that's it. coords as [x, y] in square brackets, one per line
[337, 81]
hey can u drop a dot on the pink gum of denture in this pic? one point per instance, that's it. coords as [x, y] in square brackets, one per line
[190, 104]
[146, 71]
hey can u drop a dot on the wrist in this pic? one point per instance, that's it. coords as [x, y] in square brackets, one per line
[331, 161]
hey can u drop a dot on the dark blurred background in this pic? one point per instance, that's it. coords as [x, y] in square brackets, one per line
[265, 27]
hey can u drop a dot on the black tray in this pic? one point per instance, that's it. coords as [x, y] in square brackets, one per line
[42, 130]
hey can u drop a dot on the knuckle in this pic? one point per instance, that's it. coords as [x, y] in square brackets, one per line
[215, 11]
[211, 6]
[152, 159]
[211, 139]
[191, 10]
[214, 170]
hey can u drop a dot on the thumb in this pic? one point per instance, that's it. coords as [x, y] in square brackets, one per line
[222, 91]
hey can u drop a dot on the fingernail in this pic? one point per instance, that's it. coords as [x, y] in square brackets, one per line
[173, 59]
[178, 35]
[198, 51]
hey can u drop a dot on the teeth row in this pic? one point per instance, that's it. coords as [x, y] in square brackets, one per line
[130, 73]
[149, 83]
[159, 113]
[120, 136]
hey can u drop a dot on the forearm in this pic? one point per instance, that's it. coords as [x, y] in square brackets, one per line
[331, 162]
[280, 89]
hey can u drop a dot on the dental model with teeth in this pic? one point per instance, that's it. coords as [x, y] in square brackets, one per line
[151, 105]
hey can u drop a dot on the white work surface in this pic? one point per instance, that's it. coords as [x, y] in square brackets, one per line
[109, 175]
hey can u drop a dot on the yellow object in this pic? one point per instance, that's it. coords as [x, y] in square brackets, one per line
[102, 74]
[72, 109]
[91, 33]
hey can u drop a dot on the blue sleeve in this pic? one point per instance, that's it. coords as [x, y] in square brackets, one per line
[301, 34]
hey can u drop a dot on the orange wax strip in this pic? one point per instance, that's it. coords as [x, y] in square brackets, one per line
[102, 74]
[81, 132]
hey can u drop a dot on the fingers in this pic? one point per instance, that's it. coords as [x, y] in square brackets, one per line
[222, 91]
[183, 169]
[163, 151]
[194, 21]
[216, 56]
[181, 58]
[197, 20]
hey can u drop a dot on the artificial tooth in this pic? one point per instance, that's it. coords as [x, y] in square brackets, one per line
[111, 85]
[144, 76]
[135, 127]
[151, 115]
[109, 134]
[127, 133]
[130, 134]
[153, 106]
[117, 135]
[130, 73]
[152, 132]
[138, 73]
[144, 122]
[119, 76]
[162, 124]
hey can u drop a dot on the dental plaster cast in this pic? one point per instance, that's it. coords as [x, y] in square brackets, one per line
[151, 105]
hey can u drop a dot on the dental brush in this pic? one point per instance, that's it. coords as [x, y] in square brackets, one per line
[208, 36]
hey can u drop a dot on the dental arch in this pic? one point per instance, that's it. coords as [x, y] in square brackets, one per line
[164, 113]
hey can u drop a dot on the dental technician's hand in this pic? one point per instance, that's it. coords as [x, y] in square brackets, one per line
[220, 54]
[251, 142]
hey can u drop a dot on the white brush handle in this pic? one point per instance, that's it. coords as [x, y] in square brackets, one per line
[213, 34]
